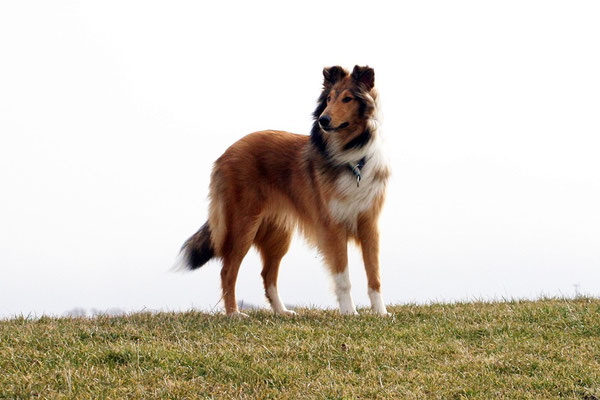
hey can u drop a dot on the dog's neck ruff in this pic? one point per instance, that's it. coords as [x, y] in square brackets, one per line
[353, 155]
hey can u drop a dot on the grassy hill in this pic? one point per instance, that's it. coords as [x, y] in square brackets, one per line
[543, 349]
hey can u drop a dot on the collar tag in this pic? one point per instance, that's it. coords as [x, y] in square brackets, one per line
[357, 169]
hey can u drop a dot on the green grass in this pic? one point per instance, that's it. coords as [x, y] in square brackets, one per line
[542, 349]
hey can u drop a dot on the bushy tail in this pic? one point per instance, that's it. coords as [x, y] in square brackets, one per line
[197, 250]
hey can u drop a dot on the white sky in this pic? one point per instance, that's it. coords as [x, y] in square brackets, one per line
[112, 112]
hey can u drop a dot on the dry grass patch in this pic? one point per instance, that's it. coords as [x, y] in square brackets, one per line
[513, 350]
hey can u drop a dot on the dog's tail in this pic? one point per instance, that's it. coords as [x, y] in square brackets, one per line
[197, 250]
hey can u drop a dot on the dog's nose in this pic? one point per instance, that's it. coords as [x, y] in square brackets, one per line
[325, 121]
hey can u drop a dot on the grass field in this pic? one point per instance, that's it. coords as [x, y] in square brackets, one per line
[543, 349]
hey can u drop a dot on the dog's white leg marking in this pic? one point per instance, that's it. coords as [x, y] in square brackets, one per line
[276, 303]
[238, 314]
[342, 291]
[377, 303]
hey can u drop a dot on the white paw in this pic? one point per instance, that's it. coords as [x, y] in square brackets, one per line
[377, 304]
[346, 303]
[380, 311]
[287, 313]
[237, 314]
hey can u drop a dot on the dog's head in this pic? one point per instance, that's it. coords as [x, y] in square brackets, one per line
[345, 107]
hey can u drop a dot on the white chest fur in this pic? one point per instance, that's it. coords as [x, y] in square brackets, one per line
[352, 200]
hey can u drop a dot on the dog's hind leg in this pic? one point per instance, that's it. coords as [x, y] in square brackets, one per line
[273, 241]
[237, 243]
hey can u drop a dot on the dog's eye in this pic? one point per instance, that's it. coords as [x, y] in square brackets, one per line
[328, 99]
[347, 99]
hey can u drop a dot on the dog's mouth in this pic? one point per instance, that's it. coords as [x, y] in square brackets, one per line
[331, 128]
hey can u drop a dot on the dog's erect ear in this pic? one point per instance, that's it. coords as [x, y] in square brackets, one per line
[364, 75]
[333, 74]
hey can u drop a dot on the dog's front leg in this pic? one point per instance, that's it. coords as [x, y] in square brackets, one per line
[334, 246]
[368, 235]
[342, 291]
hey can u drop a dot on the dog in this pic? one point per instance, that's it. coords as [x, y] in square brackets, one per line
[329, 185]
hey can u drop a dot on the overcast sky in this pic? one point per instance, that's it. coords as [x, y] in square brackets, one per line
[112, 112]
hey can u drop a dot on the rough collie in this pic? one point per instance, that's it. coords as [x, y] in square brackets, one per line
[330, 185]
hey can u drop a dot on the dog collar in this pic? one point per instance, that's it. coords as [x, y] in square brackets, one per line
[356, 169]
